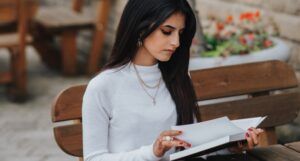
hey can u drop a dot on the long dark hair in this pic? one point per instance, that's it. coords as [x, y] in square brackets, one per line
[139, 19]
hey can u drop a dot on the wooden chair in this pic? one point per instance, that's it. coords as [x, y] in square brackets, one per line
[66, 23]
[15, 13]
[256, 80]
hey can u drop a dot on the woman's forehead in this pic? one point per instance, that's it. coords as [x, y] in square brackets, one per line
[176, 20]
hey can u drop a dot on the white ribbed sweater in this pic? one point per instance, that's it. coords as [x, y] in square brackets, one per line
[120, 122]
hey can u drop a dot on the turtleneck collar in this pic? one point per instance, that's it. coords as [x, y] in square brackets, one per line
[144, 69]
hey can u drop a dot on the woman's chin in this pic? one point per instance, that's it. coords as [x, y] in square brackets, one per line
[164, 59]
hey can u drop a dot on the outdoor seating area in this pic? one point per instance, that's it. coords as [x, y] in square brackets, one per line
[244, 62]
[51, 22]
[40, 26]
[15, 41]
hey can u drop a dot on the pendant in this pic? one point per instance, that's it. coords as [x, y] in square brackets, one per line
[154, 102]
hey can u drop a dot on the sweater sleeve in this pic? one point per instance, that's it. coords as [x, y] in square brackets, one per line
[95, 120]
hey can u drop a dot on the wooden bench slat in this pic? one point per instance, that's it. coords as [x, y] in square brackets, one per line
[280, 109]
[9, 13]
[69, 139]
[295, 146]
[275, 153]
[12, 40]
[242, 79]
[60, 19]
[67, 105]
[233, 157]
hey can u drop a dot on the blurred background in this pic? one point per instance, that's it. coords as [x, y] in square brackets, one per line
[49, 45]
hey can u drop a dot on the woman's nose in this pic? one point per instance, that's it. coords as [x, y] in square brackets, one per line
[175, 41]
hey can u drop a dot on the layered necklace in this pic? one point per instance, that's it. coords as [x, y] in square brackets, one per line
[145, 86]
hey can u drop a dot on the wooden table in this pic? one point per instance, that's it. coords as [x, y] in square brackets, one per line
[15, 16]
[288, 152]
[51, 22]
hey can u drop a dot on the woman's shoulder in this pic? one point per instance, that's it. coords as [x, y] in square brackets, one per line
[106, 79]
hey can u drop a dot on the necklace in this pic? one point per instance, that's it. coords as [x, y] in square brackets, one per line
[144, 85]
[141, 80]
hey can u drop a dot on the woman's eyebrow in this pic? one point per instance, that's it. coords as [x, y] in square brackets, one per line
[172, 27]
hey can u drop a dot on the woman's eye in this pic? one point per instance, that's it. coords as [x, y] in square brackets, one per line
[166, 32]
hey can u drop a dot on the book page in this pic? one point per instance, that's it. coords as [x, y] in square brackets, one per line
[207, 131]
[248, 122]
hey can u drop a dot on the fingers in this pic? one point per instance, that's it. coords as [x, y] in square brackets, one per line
[252, 137]
[249, 141]
[171, 133]
[256, 131]
[175, 143]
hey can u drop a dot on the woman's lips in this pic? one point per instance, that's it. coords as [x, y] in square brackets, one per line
[170, 51]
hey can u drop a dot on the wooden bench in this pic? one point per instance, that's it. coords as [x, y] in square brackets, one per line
[290, 151]
[257, 81]
[14, 18]
[66, 23]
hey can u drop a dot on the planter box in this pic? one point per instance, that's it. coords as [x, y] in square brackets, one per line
[280, 51]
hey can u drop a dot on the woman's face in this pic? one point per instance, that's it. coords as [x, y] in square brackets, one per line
[162, 42]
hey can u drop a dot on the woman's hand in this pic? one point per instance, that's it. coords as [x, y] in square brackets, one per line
[252, 137]
[167, 140]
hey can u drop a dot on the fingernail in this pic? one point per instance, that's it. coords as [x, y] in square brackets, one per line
[190, 145]
[250, 129]
[247, 135]
[179, 132]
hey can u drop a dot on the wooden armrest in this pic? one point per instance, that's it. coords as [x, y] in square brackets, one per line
[12, 40]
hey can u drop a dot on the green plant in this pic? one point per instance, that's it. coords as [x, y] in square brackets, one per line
[248, 34]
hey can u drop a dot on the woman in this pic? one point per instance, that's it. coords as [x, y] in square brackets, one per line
[145, 87]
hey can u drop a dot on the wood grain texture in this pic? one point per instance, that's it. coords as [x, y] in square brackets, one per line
[9, 40]
[69, 52]
[67, 105]
[56, 20]
[242, 79]
[275, 153]
[232, 157]
[9, 10]
[280, 109]
[295, 146]
[69, 139]
[101, 25]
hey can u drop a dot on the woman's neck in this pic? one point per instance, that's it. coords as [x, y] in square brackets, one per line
[144, 58]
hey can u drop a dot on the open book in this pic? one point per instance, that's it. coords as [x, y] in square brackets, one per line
[212, 135]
